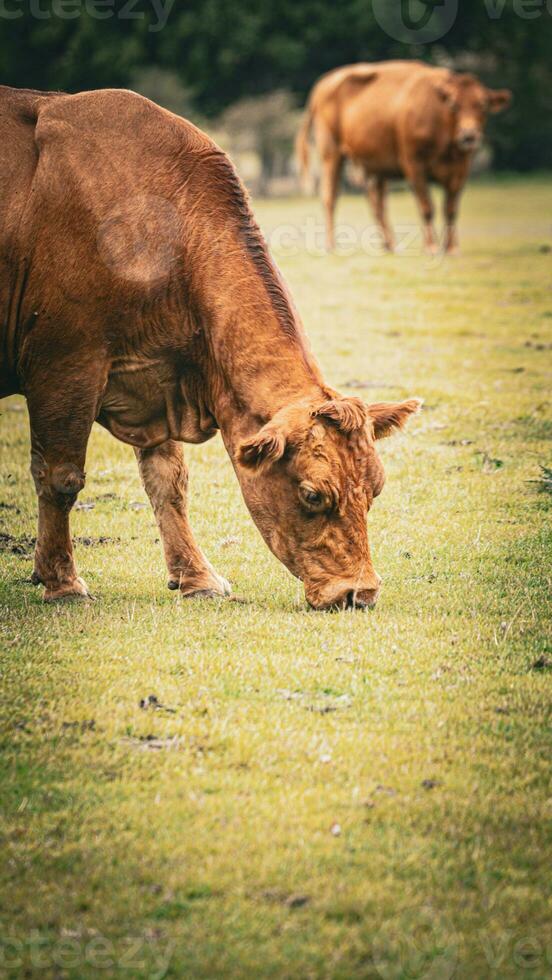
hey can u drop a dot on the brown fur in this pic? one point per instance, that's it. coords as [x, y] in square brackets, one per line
[136, 290]
[398, 118]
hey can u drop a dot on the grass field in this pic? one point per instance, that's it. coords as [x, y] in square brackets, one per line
[312, 795]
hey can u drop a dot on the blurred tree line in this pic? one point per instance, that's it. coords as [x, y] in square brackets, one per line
[213, 54]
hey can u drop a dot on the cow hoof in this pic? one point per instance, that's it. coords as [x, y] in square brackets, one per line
[202, 594]
[208, 593]
[224, 584]
[220, 587]
[35, 579]
[76, 590]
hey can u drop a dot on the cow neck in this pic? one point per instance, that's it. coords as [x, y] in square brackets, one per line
[257, 374]
[259, 357]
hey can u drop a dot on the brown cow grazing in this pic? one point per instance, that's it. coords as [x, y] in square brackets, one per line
[398, 118]
[136, 291]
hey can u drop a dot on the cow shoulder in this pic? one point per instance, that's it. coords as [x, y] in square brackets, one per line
[421, 110]
[103, 217]
[113, 120]
[98, 149]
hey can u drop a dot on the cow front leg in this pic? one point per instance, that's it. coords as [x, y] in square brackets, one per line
[54, 563]
[58, 472]
[63, 387]
[165, 477]
[418, 181]
[452, 197]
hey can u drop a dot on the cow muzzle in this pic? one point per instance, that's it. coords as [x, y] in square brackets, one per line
[346, 595]
[468, 139]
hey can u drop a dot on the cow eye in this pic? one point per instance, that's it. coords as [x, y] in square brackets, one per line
[312, 499]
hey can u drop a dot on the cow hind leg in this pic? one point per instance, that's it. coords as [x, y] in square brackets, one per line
[332, 165]
[165, 477]
[331, 171]
[377, 191]
[60, 428]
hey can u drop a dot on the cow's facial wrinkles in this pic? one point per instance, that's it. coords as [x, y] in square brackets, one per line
[309, 478]
[470, 103]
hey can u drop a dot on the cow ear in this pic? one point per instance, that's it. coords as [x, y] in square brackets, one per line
[263, 449]
[498, 99]
[349, 414]
[386, 417]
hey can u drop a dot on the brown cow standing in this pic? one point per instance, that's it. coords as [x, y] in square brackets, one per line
[398, 118]
[136, 291]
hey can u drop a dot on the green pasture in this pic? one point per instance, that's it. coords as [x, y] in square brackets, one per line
[307, 795]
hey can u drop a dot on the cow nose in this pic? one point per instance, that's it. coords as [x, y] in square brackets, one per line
[348, 596]
[361, 599]
[468, 138]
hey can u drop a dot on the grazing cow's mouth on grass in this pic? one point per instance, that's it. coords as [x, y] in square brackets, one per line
[309, 478]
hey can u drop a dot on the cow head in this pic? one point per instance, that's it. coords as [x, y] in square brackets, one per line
[309, 478]
[470, 102]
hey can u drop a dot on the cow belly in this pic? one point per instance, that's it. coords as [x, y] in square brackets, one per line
[376, 152]
[381, 167]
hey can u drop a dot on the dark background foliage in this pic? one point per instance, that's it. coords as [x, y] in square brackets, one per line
[223, 51]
